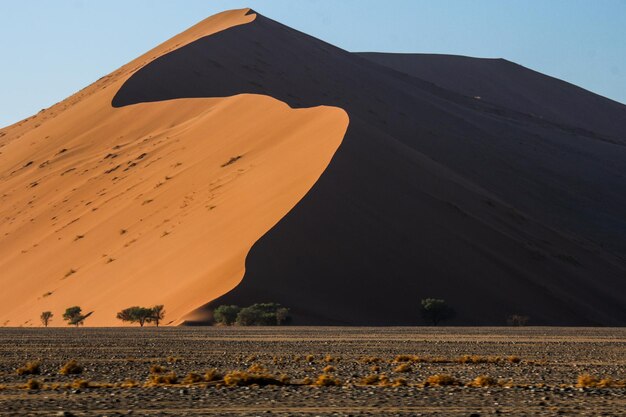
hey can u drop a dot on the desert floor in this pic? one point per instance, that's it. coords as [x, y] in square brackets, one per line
[537, 371]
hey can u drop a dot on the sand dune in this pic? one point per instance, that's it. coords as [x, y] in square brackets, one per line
[231, 143]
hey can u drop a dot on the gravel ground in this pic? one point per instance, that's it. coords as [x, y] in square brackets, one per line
[536, 370]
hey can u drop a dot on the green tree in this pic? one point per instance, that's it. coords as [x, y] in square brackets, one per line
[158, 314]
[436, 310]
[46, 318]
[74, 316]
[263, 314]
[226, 314]
[135, 315]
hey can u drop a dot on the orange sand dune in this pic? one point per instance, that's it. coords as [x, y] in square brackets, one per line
[155, 203]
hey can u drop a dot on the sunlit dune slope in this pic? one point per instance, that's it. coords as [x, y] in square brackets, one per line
[155, 203]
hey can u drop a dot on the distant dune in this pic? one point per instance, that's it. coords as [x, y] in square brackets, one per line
[345, 186]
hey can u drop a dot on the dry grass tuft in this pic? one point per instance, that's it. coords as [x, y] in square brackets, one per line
[589, 381]
[31, 368]
[326, 380]
[513, 359]
[478, 359]
[213, 375]
[403, 367]
[174, 359]
[370, 359]
[440, 381]
[406, 358]
[157, 369]
[329, 369]
[34, 384]
[241, 378]
[129, 383]
[80, 384]
[193, 378]
[256, 368]
[375, 379]
[162, 379]
[71, 368]
[309, 358]
[330, 359]
[483, 381]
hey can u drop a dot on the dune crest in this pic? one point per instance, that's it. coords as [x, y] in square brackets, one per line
[155, 203]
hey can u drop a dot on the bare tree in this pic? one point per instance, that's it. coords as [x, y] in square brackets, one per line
[46, 318]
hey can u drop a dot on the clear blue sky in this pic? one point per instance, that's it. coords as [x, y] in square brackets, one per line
[51, 49]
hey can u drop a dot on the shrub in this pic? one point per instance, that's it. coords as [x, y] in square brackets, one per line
[226, 315]
[517, 320]
[46, 317]
[436, 310]
[263, 314]
[71, 368]
[31, 368]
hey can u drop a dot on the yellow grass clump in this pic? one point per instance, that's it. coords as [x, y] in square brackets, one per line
[370, 359]
[326, 380]
[34, 384]
[329, 369]
[241, 378]
[403, 367]
[440, 381]
[589, 381]
[483, 381]
[30, 368]
[213, 375]
[193, 378]
[162, 379]
[71, 368]
[157, 369]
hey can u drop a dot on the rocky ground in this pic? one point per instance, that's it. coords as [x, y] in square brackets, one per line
[362, 371]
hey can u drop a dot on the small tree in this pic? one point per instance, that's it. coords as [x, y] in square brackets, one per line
[517, 320]
[135, 315]
[282, 316]
[74, 316]
[226, 314]
[158, 314]
[46, 318]
[436, 310]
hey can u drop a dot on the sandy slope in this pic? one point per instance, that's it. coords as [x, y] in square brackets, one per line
[155, 203]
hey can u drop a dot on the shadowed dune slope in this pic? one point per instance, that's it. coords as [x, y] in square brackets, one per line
[514, 87]
[155, 203]
[432, 193]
